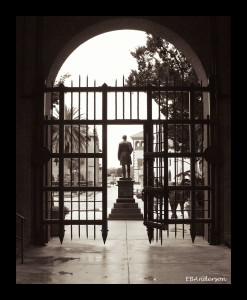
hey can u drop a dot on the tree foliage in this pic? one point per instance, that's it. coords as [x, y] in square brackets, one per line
[159, 63]
[72, 136]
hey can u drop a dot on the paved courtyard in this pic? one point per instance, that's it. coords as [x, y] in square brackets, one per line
[125, 258]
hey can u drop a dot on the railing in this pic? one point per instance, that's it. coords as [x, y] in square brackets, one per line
[21, 238]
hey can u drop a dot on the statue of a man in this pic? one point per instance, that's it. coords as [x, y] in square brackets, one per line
[124, 155]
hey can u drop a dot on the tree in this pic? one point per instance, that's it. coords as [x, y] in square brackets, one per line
[75, 137]
[117, 172]
[55, 96]
[159, 63]
[72, 134]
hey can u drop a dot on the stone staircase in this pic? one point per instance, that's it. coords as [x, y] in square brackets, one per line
[125, 209]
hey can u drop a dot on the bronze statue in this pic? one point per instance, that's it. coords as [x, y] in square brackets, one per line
[124, 156]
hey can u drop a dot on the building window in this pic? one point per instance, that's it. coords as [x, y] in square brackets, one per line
[140, 162]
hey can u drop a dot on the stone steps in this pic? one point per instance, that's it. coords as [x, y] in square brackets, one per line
[126, 210]
[125, 205]
[125, 200]
[126, 216]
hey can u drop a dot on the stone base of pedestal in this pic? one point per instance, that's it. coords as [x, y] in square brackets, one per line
[125, 200]
[125, 207]
[123, 210]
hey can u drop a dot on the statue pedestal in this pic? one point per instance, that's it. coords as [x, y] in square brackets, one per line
[125, 190]
[125, 207]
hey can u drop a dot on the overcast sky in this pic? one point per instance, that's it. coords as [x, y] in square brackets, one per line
[106, 58]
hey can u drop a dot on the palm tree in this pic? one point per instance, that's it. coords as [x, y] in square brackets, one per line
[72, 134]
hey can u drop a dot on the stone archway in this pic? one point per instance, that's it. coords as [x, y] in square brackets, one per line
[132, 23]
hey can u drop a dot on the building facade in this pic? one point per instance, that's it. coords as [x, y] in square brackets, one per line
[138, 148]
[87, 172]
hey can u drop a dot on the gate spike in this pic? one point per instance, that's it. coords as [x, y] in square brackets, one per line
[150, 234]
[61, 233]
[104, 234]
[192, 233]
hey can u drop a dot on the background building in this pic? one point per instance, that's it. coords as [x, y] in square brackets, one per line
[138, 148]
[86, 174]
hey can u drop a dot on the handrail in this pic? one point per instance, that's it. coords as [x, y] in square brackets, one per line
[21, 217]
[22, 236]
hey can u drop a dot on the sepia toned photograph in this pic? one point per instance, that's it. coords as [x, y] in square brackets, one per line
[123, 150]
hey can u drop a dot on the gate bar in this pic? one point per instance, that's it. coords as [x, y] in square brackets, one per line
[94, 160]
[61, 162]
[51, 194]
[87, 158]
[127, 89]
[79, 159]
[150, 163]
[123, 99]
[73, 222]
[192, 167]
[104, 164]
[127, 121]
[71, 143]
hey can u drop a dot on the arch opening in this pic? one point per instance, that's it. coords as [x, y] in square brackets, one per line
[139, 24]
[135, 24]
[128, 23]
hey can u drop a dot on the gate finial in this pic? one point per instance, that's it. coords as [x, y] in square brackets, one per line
[61, 233]
[104, 234]
[150, 234]
[193, 233]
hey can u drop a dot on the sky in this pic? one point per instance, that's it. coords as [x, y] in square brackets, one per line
[115, 133]
[106, 58]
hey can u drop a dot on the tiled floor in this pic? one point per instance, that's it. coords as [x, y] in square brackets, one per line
[125, 258]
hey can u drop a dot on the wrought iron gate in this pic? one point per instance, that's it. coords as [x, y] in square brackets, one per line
[178, 155]
[75, 177]
[179, 162]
